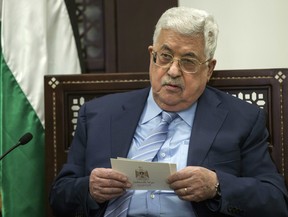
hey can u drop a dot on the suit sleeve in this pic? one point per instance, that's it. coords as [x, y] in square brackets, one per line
[69, 195]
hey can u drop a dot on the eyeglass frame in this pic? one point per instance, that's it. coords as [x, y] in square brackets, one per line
[154, 55]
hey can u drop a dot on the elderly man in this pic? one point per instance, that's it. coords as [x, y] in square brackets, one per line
[218, 142]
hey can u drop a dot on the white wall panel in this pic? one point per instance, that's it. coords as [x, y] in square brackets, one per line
[253, 33]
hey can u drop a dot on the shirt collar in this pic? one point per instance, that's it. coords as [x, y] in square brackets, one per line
[152, 110]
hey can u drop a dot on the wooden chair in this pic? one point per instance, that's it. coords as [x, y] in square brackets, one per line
[64, 94]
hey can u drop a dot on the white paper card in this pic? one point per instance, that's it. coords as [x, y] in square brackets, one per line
[144, 175]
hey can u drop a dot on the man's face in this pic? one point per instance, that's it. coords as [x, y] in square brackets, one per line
[173, 89]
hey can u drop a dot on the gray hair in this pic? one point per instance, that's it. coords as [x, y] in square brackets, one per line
[189, 21]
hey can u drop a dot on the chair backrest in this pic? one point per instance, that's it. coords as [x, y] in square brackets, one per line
[64, 94]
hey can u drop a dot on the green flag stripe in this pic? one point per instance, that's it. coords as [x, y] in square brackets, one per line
[22, 170]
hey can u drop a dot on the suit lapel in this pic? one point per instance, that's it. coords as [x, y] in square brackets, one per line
[208, 120]
[124, 123]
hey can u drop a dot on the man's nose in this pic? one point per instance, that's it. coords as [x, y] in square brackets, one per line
[174, 69]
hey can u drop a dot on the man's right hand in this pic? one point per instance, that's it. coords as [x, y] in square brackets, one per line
[106, 184]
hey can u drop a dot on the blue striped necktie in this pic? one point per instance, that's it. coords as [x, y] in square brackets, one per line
[146, 152]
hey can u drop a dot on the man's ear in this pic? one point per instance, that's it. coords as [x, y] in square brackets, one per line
[211, 67]
[150, 48]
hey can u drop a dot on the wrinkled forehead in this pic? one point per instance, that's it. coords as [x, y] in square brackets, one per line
[180, 44]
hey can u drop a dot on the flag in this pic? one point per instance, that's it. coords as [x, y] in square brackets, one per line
[36, 40]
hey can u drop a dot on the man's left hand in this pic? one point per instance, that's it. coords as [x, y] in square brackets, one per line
[194, 183]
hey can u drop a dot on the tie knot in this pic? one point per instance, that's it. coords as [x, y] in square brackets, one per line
[168, 116]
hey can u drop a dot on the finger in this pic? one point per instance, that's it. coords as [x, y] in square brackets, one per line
[105, 194]
[102, 183]
[188, 194]
[109, 178]
[183, 174]
[175, 177]
[110, 183]
[102, 194]
[107, 173]
[178, 185]
[107, 190]
[182, 192]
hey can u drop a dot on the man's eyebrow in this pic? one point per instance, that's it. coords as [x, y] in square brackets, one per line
[188, 54]
[166, 47]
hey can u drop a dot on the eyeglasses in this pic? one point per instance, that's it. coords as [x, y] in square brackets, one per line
[187, 65]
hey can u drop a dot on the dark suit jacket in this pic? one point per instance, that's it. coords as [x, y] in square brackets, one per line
[228, 136]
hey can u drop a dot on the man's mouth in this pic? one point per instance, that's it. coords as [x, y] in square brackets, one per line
[172, 87]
